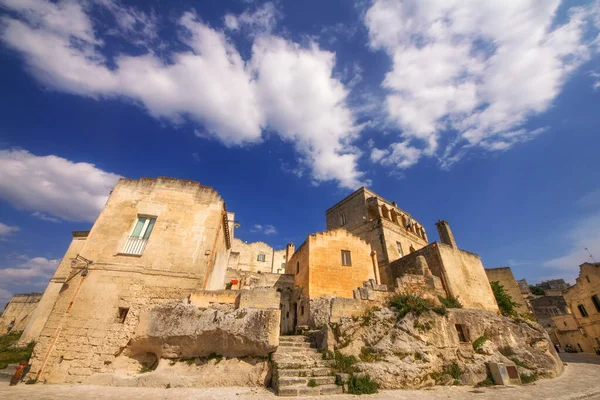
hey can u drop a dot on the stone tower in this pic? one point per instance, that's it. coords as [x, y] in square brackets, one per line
[445, 233]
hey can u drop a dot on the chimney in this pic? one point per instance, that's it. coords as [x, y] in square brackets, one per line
[445, 233]
[289, 251]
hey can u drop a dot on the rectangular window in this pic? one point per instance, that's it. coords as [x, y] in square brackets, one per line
[298, 267]
[136, 243]
[399, 246]
[346, 260]
[261, 257]
[122, 314]
[582, 310]
[596, 302]
[342, 219]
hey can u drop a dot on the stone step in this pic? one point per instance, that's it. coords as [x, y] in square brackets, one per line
[303, 364]
[303, 381]
[316, 371]
[295, 338]
[297, 344]
[308, 391]
[294, 349]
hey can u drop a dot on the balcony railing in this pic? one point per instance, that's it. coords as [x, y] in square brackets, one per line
[135, 246]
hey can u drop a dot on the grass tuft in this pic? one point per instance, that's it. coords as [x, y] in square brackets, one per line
[312, 383]
[362, 385]
[450, 302]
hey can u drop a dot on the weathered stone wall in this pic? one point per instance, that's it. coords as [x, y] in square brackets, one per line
[245, 257]
[250, 280]
[188, 236]
[42, 312]
[466, 279]
[587, 285]
[20, 309]
[176, 330]
[545, 307]
[379, 222]
[461, 273]
[83, 334]
[279, 261]
[207, 298]
[506, 278]
[321, 269]
[186, 252]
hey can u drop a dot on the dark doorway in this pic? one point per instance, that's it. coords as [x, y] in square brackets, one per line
[294, 317]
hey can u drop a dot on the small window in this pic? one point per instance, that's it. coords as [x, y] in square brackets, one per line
[282, 265]
[342, 219]
[298, 267]
[596, 302]
[582, 310]
[346, 260]
[302, 310]
[139, 236]
[463, 336]
[588, 278]
[399, 247]
[412, 249]
[565, 322]
[122, 314]
[261, 257]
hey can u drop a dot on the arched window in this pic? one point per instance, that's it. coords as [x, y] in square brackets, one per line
[394, 216]
[412, 249]
[384, 212]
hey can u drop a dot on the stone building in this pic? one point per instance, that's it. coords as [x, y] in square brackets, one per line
[583, 300]
[256, 257]
[392, 232]
[18, 311]
[155, 241]
[505, 277]
[166, 244]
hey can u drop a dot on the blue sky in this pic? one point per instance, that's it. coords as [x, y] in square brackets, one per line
[480, 113]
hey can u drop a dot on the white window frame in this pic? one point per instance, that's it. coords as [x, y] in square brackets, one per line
[348, 262]
[263, 256]
[137, 249]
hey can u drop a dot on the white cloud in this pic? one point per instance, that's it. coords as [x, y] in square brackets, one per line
[266, 229]
[261, 21]
[6, 230]
[473, 72]
[30, 270]
[138, 27]
[54, 185]
[270, 230]
[284, 86]
[583, 234]
[306, 105]
[45, 217]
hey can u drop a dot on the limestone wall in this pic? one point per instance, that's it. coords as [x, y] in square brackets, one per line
[206, 298]
[506, 278]
[587, 285]
[461, 273]
[320, 261]
[188, 236]
[466, 278]
[250, 280]
[546, 307]
[20, 310]
[245, 257]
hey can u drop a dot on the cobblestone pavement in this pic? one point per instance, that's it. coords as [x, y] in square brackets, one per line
[579, 381]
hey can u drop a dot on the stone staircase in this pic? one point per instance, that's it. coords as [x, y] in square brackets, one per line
[297, 362]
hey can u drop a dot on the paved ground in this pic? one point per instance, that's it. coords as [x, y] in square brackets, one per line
[580, 381]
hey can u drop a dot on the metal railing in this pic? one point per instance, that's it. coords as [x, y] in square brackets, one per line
[135, 246]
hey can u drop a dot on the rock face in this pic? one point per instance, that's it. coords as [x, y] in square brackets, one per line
[419, 351]
[181, 331]
[190, 373]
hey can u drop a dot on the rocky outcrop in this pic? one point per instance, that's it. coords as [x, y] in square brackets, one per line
[253, 372]
[413, 352]
[182, 331]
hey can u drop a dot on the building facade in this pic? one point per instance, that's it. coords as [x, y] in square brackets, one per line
[583, 300]
[18, 312]
[155, 241]
[505, 277]
[256, 257]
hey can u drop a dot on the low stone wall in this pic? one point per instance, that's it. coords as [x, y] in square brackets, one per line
[177, 330]
[206, 298]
